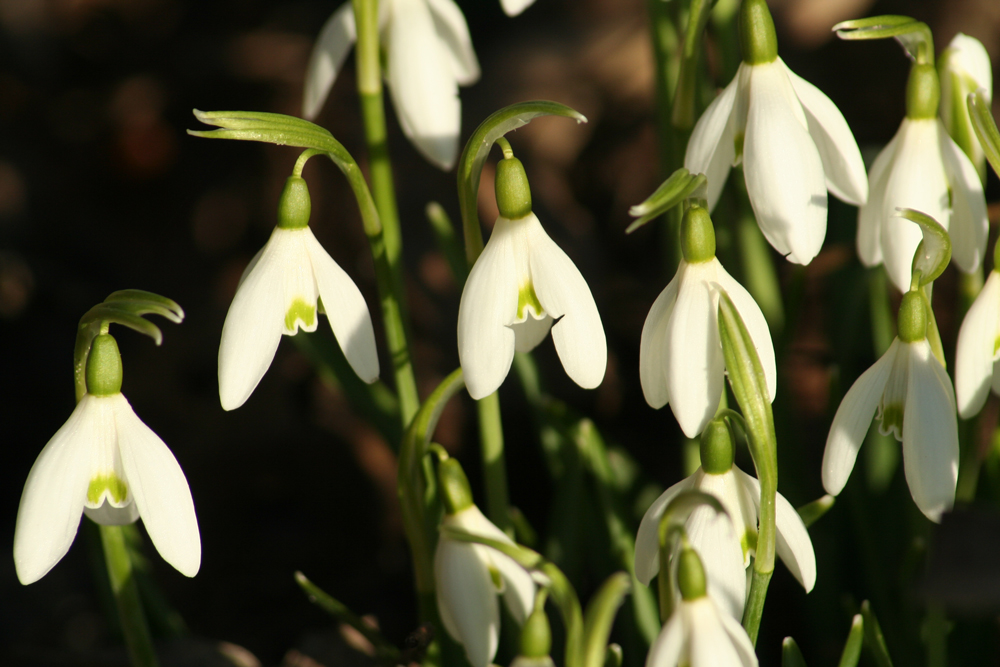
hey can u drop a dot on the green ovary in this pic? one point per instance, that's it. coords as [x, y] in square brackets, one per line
[300, 311]
[526, 297]
[115, 487]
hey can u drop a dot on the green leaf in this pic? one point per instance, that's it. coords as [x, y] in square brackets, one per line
[600, 616]
[934, 252]
[679, 186]
[791, 656]
[810, 513]
[985, 127]
[873, 636]
[852, 647]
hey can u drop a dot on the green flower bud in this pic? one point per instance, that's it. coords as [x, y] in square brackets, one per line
[104, 367]
[536, 637]
[717, 447]
[912, 320]
[758, 41]
[294, 206]
[690, 575]
[923, 92]
[513, 192]
[454, 486]
[697, 236]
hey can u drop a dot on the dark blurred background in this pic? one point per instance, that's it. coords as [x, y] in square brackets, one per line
[101, 189]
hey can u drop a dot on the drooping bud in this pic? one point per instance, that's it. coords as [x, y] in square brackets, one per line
[690, 575]
[454, 486]
[104, 367]
[697, 235]
[717, 447]
[923, 92]
[294, 206]
[912, 320]
[758, 41]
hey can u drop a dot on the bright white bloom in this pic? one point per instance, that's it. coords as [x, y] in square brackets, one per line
[282, 289]
[522, 285]
[965, 67]
[680, 353]
[924, 169]
[429, 54]
[910, 393]
[697, 634]
[977, 351]
[795, 145]
[468, 579]
[726, 553]
[515, 7]
[104, 461]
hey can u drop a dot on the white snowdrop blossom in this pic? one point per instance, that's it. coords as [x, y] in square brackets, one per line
[965, 67]
[699, 634]
[515, 7]
[978, 352]
[108, 464]
[468, 579]
[793, 141]
[429, 55]
[727, 543]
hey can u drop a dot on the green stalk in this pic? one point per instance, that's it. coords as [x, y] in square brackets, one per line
[130, 613]
[494, 467]
[392, 290]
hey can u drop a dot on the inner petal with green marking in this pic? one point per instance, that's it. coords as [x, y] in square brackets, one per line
[300, 312]
[996, 348]
[526, 298]
[749, 542]
[892, 420]
[109, 486]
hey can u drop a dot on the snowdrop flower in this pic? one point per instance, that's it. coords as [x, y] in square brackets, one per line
[793, 141]
[910, 393]
[470, 576]
[429, 55]
[515, 7]
[726, 552]
[680, 352]
[964, 67]
[521, 286]
[922, 168]
[977, 351]
[105, 463]
[286, 285]
[698, 634]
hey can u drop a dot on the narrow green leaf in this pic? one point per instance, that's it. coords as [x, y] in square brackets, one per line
[600, 616]
[444, 234]
[985, 127]
[852, 647]
[873, 636]
[614, 656]
[155, 303]
[812, 512]
[791, 656]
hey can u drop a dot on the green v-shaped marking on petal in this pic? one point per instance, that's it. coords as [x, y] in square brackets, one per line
[115, 486]
[526, 297]
[300, 311]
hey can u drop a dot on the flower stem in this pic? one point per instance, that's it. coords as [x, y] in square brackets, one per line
[130, 613]
[494, 467]
[391, 287]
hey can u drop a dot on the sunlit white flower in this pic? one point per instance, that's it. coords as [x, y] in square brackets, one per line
[522, 285]
[515, 7]
[428, 55]
[795, 145]
[977, 351]
[108, 464]
[965, 67]
[726, 552]
[468, 579]
[698, 634]
[290, 281]
[910, 393]
[680, 353]
[923, 169]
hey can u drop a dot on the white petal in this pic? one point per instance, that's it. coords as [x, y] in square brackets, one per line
[52, 501]
[487, 307]
[709, 644]
[653, 370]
[970, 226]
[519, 589]
[467, 600]
[694, 351]
[710, 150]
[783, 170]
[422, 83]
[930, 434]
[160, 489]
[974, 352]
[869, 241]
[756, 325]
[714, 538]
[842, 164]
[741, 642]
[668, 648]
[334, 41]
[254, 323]
[529, 333]
[647, 540]
[578, 333]
[454, 34]
[969, 56]
[850, 424]
[515, 7]
[346, 309]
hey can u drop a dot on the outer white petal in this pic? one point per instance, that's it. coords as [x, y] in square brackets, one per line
[714, 538]
[694, 351]
[970, 225]
[708, 642]
[487, 307]
[519, 587]
[783, 170]
[578, 333]
[916, 180]
[842, 164]
[710, 150]
[515, 7]
[254, 323]
[869, 241]
[454, 34]
[52, 501]
[647, 540]
[930, 434]
[422, 83]
[334, 41]
[754, 320]
[850, 424]
[968, 55]
[467, 600]
[741, 642]
[160, 490]
[974, 352]
[668, 647]
[346, 309]
[653, 369]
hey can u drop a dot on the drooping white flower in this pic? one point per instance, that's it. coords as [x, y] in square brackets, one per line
[107, 463]
[977, 351]
[910, 392]
[515, 7]
[285, 287]
[429, 54]
[522, 286]
[468, 579]
[964, 68]
[793, 141]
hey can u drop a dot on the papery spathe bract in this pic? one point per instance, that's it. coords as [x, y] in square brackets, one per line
[977, 351]
[698, 634]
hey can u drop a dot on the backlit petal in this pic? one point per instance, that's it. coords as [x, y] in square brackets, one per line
[653, 369]
[869, 240]
[710, 150]
[668, 647]
[519, 588]
[454, 35]
[647, 540]
[756, 325]
[969, 223]
[740, 640]
[334, 41]
[714, 538]
[709, 643]
[515, 7]
[976, 347]
[467, 600]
